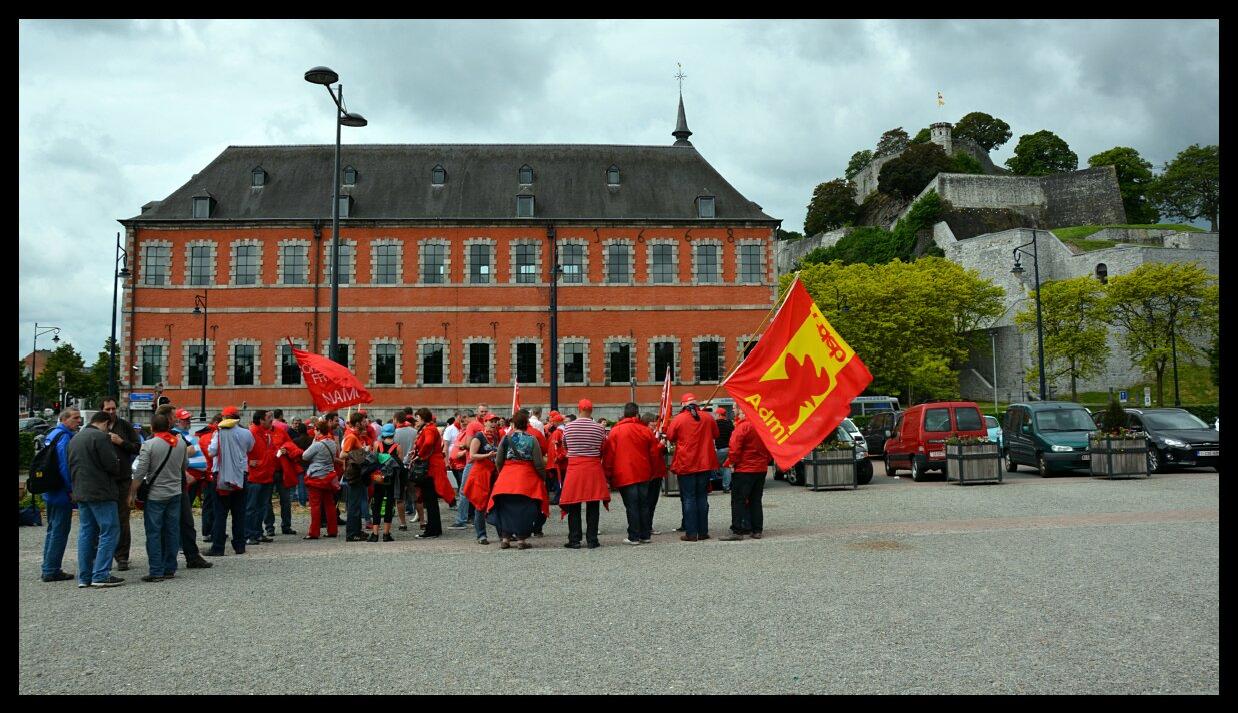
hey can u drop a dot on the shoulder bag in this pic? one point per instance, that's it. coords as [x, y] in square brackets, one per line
[144, 488]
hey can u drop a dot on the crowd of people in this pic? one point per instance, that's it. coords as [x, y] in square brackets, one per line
[508, 473]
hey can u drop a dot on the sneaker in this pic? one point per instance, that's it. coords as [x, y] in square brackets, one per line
[688, 538]
[627, 541]
[457, 526]
[199, 563]
[310, 537]
[289, 532]
[424, 536]
[251, 542]
[572, 545]
[416, 518]
[356, 538]
[112, 581]
[657, 532]
[646, 542]
[482, 541]
[755, 535]
[387, 537]
[58, 577]
[403, 528]
[122, 565]
[731, 538]
[266, 538]
[680, 529]
[372, 538]
[152, 578]
[594, 545]
[83, 585]
[270, 533]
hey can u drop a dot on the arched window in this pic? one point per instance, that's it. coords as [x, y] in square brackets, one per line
[526, 175]
[350, 176]
[438, 175]
[612, 176]
[257, 177]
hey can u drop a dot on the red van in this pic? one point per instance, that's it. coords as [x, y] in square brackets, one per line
[917, 441]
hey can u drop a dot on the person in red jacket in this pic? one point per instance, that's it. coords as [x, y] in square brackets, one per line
[628, 459]
[287, 467]
[260, 481]
[482, 452]
[749, 460]
[556, 458]
[429, 449]
[210, 500]
[695, 459]
[519, 493]
[654, 486]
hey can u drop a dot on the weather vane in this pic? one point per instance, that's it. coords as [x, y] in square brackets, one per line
[680, 76]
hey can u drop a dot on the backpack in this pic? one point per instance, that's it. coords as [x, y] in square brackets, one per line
[45, 469]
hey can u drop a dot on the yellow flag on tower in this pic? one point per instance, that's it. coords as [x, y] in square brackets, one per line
[940, 101]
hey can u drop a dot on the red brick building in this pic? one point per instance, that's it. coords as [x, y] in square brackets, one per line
[445, 274]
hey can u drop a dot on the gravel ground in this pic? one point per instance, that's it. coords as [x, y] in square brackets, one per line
[1064, 585]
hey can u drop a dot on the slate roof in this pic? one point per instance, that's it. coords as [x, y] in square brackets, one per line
[657, 183]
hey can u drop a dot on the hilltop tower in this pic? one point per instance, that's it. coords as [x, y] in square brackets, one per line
[939, 134]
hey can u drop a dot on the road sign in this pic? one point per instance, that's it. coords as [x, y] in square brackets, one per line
[141, 401]
[1123, 396]
[1147, 396]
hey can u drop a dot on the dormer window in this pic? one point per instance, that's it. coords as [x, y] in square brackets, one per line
[350, 176]
[612, 176]
[345, 206]
[526, 175]
[257, 177]
[524, 206]
[202, 206]
[705, 207]
[438, 175]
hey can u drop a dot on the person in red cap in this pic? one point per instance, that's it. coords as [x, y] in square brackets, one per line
[260, 482]
[695, 459]
[230, 449]
[482, 452]
[750, 459]
[725, 427]
[585, 480]
[556, 457]
[628, 459]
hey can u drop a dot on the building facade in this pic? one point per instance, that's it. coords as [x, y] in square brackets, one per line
[447, 259]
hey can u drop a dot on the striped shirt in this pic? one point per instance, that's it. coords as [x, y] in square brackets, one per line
[583, 437]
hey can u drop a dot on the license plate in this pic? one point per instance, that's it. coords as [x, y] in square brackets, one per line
[1209, 454]
[937, 454]
[1086, 456]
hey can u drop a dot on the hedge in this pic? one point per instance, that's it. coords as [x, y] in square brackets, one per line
[25, 449]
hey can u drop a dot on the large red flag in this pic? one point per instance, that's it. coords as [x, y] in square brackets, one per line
[798, 382]
[332, 385]
[664, 405]
[515, 394]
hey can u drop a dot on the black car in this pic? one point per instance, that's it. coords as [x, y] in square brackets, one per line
[1176, 437]
[877, 430]
[34, 425]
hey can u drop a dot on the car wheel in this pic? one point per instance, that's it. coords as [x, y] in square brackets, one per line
[1011, 466]
[1154, 459]
[1042, 467]
[791, 476]
[864, 472]
[890, 471]
[916, 474]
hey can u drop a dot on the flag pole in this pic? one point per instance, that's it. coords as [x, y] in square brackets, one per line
[739, 353]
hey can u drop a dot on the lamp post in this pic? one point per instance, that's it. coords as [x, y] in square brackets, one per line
[554, 318]
[1040, 333]
[122, 259]
[34, 356]
[199, 307]
[326, 77]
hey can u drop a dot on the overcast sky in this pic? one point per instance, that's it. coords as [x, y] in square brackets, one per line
[117, 113]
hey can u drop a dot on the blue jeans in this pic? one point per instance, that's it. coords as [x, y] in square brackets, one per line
[257, 500]
[726, 472]
[692, 493]
[301, 494]
[59, 521]
[356, 503]
[479, 523]
[285, 508]
[97, 535]
[464, 508]
[163, 534]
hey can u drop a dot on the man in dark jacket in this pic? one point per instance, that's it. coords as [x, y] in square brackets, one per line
[59, 501]
[721, 443]
[93, 464]
[125, 440]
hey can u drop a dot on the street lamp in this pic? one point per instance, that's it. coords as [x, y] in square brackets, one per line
[326, 77]
[1040, 333]
[199, 307]
[122, 259]
[34, 356]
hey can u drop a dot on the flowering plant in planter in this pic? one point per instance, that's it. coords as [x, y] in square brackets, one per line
[967, 440]
[1113, 423]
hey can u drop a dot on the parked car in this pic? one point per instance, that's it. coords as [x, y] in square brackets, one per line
[1176, 437]
[1048, 436]
[855, 433]
[995, 430]
[917, 442]
[29, 424]
[798, 475]
[877, 430]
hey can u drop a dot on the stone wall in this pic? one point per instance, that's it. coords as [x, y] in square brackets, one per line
[866, 180]
[788, 252]
[1194, 241]
[1090, 196]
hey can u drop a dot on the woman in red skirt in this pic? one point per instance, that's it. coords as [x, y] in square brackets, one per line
[519, 494]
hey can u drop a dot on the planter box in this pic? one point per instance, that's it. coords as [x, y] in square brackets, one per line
[825, 469]
[978, 463]
[670, 484]
[1119, 457]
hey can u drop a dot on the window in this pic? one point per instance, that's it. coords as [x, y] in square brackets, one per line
[574, 363]
[750, 263]
[257, 177]
[617, 271]
[289, 371]
[524, 206]
[479, 363]
[152, 364]
[968, 419]
[433, 263]
[663, 357]
[707, 363]
[202, 207]
[345, 205]
[341, 349]
[526, 264]
[199, 356]
[937, 420]
[526, 175]
[243, 364]
[612, 176]
[387, 263]
[350, 176]
[748, 347]
[296, 264]
[438, 175]
[705, 207]
[526, 363]
[345, 263]
[706, 263]
[620, 358]
[663, 268]
[384, 363]
[200, 265]
[479, 264]
[432, 363]
[572, 258]
[155, 264]
[246, 264]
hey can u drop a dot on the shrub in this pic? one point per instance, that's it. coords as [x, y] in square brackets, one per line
[25, 450]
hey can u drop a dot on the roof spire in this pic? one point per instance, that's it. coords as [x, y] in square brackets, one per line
[681, 132]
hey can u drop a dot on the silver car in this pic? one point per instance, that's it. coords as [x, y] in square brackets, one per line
[855, 434]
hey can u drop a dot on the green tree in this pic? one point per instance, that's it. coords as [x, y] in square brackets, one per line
[891, 142]
[99, 373]
[912, 324]
[833, 205]
[1134, 180]
[1156, 300]
[1214, 360]
[64, 359]
[23, 378]
[908, 174]
[1076, 339]
[963, 163]
[1041, 154]
[923, 136]
[1190, 186]
[858, 161]
[876, 246]
[987, 132]
[781, 234]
